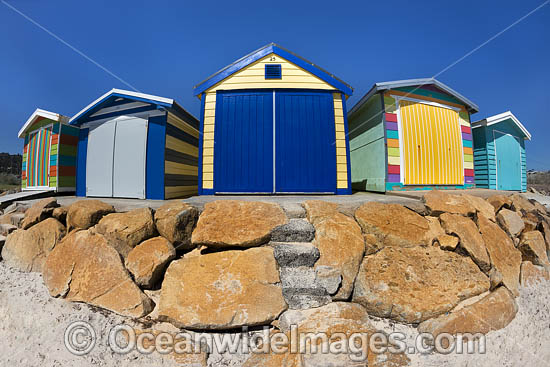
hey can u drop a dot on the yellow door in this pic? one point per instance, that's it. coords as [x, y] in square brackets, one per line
[432, 144]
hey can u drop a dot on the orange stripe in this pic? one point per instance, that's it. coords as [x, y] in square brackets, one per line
[393, 143]
[55, 139]
[468, 150]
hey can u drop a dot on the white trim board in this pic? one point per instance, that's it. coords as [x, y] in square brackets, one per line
[41, 113]
[508, 115]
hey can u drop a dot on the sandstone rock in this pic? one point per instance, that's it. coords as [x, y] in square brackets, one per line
[6, 229]
[233, 223]
[17, 207]
[531, 221]
[533, 248]
[372, 244]
[531, 274]
[493, 312]
[418, 207]
[27, 249]
[16, 219]
[328, 278]
[295, 254]
[84, 214]
[337, 321]
[521, 204]
[148, 260]
[544, 228]
[541, 209]
[435, 230]
[415, 284]
[482, 207]
[222, 290]
[500, 201]
[505, 258]
[439, 202]
[38, 212]
[511, 222]
[341, 246]
[85, 268]
[394, 225]
[447, 242]
[124, 231]
[60, 214]
[175, 221]
[2, 242]
[296, 230]
[471, 241]
[496, 278]
[317, 210]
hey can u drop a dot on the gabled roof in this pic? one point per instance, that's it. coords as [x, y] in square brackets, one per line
[508, 115]
[41, 113]
[377, 87]
[282, 52]
[115, 94]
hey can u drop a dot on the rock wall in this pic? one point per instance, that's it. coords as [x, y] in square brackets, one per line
[443, 264]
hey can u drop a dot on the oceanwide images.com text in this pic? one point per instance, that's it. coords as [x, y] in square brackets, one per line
[80, 339]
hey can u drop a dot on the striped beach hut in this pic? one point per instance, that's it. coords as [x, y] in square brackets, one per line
[411, 135]
[136, 145]
[273, 122]
[49, 153]
[499, 152]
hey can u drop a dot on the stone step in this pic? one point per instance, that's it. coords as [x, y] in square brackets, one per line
[294, 254]
[296, 230]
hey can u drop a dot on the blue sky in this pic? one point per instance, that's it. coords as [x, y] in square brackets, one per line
[165, 48]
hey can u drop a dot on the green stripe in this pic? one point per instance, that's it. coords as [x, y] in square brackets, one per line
[393, 152]
[39, 124]
[67, 181]
[68, 150]
[468, 158]
[429, 93]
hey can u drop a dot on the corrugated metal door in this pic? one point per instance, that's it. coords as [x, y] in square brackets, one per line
[99, 160]
[432, 144]
[38, 158]
[508, 161]
[243, 150]
[305, 142]
[129, 158]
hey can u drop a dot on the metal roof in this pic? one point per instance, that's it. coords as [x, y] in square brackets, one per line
[508, 115]
[377, 87]
[284, 53]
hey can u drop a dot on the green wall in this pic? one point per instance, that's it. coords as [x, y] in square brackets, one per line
[367, 146]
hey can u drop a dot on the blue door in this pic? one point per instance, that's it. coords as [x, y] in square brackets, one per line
[508, 157]
[243, 151]
[305, 148]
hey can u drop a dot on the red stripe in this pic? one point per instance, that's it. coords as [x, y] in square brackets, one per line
[393, 169]
[469, 172]
[466, 129]
[69, 140]
[391, 117]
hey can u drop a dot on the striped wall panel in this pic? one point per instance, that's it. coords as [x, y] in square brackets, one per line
[341, 149]
[181, 158]
[462, 174]
[208, 141]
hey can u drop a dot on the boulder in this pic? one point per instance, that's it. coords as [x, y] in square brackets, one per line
[222, 290]
[16, 219]
[27, 250]
[301, 289]
[17, 207]
[372, 244]
[85, 268]
[124, 231]
[2, 242]
[496, 278]
[84, 214]
[6, 229]
[417, 207]
[533, 248]
[295, 254]
[544, 228]
[60, 214]
[341, 246]
[435, 230]
[414, 284]
[296, 230]
[531, 274]
[505, 258]
[233, 223]
[439, 202]
[337, 322]
[493, 312]
[175, 221]
[328, 278]
[318, 210]
[500, 201]
[294, 210]
[41, 210]
[521, 204]
[541, 209]
[482, 206]
[148, 260]
[531, 221]
[471, 240]
[511, 222]
[447, 242]
[394, 225]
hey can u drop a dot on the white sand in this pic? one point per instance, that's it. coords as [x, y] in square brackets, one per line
[32, 326]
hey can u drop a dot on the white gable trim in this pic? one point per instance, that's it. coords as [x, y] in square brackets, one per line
[508, 115]
[42, 113]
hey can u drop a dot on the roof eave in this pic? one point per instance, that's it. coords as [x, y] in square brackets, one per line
[495, 119]
[41, 113]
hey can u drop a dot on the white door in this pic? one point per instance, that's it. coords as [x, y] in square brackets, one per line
[99, 162]
[129, 158]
